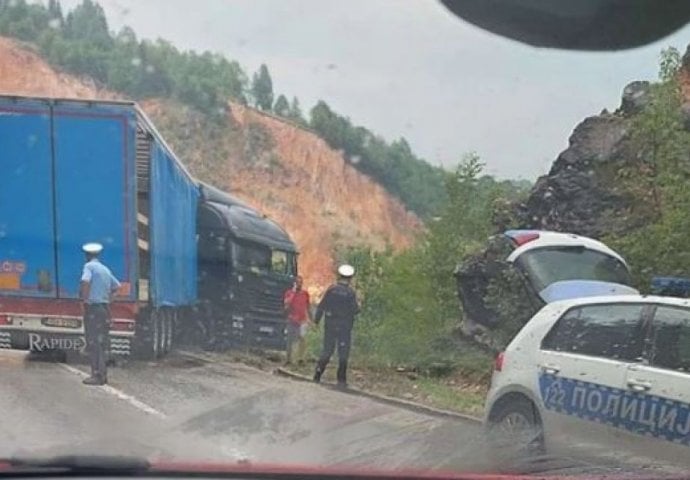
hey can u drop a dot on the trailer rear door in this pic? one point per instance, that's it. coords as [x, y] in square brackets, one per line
[95, 191]
[27, 256]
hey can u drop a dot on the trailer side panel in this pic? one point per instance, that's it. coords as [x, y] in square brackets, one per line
[174, 199]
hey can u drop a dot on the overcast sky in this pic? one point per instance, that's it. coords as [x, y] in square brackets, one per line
[408, 68]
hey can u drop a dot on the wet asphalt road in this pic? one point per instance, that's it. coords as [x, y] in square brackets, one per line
[188, 409]
[191, 410]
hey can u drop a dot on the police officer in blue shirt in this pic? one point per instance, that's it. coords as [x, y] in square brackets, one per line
[97, 289]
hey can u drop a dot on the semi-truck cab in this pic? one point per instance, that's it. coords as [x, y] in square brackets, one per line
[246, 263]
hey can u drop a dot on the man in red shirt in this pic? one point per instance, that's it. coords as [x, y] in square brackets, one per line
[296, 303]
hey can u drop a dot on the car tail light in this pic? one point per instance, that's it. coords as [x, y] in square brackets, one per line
[5, 320]
[522, 238]
[498, 362]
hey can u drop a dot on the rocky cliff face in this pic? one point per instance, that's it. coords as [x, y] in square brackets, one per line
[573, 197]
[580, 193]
[285, 171]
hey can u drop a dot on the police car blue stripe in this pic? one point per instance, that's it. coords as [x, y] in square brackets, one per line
[640, 413]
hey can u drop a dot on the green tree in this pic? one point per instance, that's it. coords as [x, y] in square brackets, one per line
[21, 20]
[461, 229]
[415, 182]
[281, 107]
[295, 112]
[409, 306]
[657, 176]
[82, 44]
[55, 12]
[87, 22]
[262, 89]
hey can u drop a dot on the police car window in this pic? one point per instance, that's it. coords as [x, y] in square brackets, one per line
[611, 331]
[671, 339]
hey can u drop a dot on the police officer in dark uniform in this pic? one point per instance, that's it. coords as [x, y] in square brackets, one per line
[339, 306]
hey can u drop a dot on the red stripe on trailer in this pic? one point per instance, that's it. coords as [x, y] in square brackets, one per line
[50, 306]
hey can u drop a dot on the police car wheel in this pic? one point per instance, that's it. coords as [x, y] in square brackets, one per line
[515, 425]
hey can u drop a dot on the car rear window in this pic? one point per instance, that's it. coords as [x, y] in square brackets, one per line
[671, 339]
[610, 331]
[548, 265]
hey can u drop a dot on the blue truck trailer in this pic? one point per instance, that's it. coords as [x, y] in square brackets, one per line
[193, 261]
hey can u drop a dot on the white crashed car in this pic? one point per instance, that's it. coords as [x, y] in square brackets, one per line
[551, 266]
[590, 374]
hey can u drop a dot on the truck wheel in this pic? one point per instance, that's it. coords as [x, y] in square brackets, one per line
[168, 331]
[149, 335]
[162, 331]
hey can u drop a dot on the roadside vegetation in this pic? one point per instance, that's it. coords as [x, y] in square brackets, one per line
[657, 176]
[406, 340]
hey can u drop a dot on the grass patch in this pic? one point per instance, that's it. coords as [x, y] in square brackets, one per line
[463, 398]
[457, 391]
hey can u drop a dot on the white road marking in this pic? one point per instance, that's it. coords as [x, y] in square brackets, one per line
[119, 394]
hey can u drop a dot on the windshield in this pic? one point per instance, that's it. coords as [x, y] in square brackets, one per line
[545, 266]
[251, 232]
[252, 257]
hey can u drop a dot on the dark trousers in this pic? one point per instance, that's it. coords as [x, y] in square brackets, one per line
[339, 335]
[96, 331]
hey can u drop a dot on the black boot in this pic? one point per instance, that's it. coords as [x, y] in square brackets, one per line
[93, 380]
[342, 375]
[317, 375]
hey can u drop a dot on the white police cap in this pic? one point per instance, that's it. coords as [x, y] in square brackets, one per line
[346, 271]
[94, 248]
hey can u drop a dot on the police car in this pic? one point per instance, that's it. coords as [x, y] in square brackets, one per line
[600, 376]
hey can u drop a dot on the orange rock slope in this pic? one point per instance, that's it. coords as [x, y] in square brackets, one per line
[323, 202]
